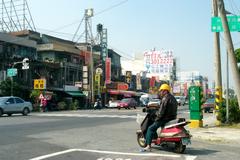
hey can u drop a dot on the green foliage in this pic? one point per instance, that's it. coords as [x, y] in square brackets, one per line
[34, 95]
[237, 52]
[234, 112]
[34, 98]
[74, 105]
[5, 87]
[62, 105]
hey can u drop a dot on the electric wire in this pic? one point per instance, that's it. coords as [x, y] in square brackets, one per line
[111, 7]
[98, 13]
[123, 54]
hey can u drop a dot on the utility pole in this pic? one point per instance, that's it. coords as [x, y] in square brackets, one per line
[217, 64]
[88, 15]
[230, 48]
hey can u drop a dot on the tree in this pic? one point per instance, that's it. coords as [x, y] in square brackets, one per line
[237, 52]
[5, 87]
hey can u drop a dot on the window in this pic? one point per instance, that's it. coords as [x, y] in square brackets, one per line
[18, 100]
[10, 100]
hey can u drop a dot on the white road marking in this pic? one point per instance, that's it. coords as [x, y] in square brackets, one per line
[87, 115]
[106, 152]
[190, 157]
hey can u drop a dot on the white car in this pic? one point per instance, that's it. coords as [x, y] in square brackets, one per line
[181, 100]
[154, 102]
[113, 104]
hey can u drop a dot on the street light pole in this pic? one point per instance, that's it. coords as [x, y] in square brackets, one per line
[227, 94]
[14, 63]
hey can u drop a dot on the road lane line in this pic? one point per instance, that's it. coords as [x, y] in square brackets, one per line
[53, 154]
[104, 152]
[190, 157]
[87, 115]
[129, 154]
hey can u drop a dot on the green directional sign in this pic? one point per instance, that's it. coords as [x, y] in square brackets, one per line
[233, 24]
[11, 72]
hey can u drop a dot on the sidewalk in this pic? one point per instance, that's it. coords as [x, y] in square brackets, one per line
[211, 132]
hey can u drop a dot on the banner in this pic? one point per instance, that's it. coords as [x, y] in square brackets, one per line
[128, 77]
[138, 81]
[108, 71]
[152, 81]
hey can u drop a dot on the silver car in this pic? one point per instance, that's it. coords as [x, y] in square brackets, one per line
[10, 105]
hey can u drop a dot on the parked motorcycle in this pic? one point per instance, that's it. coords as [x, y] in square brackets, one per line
[173, 132]
[97, 104]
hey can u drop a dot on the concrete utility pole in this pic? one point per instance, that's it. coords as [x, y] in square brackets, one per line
[218, 75]
[230, 48]
[217, 64]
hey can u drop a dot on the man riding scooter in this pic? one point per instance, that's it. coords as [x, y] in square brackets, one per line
[167, 112]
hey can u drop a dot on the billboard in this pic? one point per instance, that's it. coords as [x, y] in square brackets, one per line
[158, 62]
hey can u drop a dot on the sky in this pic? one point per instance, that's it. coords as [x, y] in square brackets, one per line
[135, 26]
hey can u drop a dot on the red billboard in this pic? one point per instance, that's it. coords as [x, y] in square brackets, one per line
[108, 71]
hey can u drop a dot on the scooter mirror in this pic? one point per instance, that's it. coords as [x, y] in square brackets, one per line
[144, 110]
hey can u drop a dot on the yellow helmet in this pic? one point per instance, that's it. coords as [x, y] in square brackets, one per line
[165, 87]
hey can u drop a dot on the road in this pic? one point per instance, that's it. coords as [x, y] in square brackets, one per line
[107, 134]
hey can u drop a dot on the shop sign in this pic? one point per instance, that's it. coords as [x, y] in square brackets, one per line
[128, 76]
[122, 86]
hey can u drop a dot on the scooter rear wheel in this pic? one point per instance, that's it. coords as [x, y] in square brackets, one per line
[141, 140]
[179, 147]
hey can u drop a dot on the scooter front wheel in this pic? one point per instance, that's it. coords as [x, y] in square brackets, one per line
[141, 140]
[179, 147]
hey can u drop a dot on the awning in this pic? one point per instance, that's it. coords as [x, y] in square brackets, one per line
[75, 93]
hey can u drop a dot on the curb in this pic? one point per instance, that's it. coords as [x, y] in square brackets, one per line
[215, 134]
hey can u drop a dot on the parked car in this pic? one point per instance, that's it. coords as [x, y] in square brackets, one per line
[11, 104]
[144, 99]
[181, 100]
[208, 106]
[113, 103]
[127, 103]
[154, 102]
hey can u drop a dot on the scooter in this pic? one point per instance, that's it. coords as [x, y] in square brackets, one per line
[172, 133]
[97, 105]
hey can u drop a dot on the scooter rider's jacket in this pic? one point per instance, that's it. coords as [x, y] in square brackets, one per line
[168, 108]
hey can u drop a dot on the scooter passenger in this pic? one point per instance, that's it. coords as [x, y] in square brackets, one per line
[167, 112]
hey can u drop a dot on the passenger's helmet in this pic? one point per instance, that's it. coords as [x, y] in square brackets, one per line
[165, 87]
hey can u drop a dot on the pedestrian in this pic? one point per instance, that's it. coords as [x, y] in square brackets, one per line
[44, 104]
[167, 112]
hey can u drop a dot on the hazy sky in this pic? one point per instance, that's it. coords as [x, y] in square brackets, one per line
[135, 26]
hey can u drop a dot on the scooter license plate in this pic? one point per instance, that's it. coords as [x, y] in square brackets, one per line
[186, 141]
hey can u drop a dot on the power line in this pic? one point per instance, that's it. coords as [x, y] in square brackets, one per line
[123, 54]
[98, 13]
[111, 7]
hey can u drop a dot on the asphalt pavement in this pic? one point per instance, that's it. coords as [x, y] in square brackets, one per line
[211, 132]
